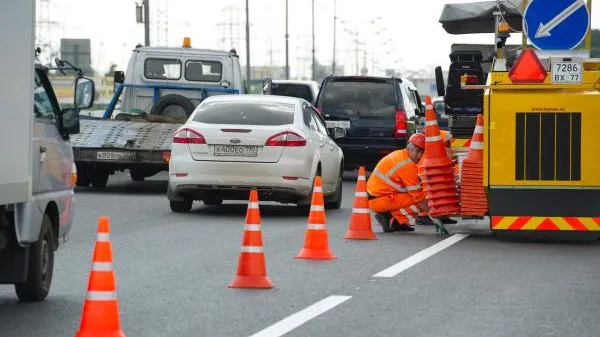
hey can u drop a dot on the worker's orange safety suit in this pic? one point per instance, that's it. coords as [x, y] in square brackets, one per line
[395, 187]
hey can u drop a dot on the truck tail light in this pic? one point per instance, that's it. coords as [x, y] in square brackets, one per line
[286, 139]
[400, 129]
[188, 136]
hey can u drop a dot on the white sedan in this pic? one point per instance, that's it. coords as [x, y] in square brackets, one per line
[233, 143]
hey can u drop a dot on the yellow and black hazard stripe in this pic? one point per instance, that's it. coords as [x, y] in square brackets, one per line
[537, 223]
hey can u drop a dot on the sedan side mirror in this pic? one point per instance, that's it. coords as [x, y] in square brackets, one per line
[70, 121]
[85, 90]
[267, 86]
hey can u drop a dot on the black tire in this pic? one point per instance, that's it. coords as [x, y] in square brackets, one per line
[137, 175]
[168, 100]
[99, 178]
[336, 202]
[213, 201]
[41, 266]
[83, 175]
[181, 206]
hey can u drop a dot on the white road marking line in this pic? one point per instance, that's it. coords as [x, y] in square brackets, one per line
[420, 256]
[291, 322]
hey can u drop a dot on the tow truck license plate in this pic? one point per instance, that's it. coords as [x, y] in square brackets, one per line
[106, 155]
[338, 124]
[567, 72]
[236, 150]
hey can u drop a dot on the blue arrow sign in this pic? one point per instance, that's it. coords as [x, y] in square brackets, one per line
[556, 24]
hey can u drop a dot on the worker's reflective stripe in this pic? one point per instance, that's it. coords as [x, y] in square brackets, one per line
[361, 194]
[103, 237]
[317, 189]
[429, 107]
[413, 188]
[415, 209]
[101, 296]
[316, 208]
[478, 129]
[433, 138]
[477, 145]
[102, 266]
[361, 177]
[389, 181]
[430, 123]
[397, 167]
[360, 210]
[406, 214]
[315, 226]
[252, 249]
[252, 228]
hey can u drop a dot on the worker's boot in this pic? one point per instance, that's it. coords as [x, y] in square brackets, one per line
[398, 227]
[384, 219]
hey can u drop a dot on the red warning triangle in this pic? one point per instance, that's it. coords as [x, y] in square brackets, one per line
[528, 69]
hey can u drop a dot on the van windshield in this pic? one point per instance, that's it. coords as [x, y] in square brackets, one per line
[368, 99]
[293, 90]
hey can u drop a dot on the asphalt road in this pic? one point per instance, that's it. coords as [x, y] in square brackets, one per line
[173, 269]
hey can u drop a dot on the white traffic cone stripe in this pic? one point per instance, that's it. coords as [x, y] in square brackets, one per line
[361, 194]
[433, 139]
[102, 266]
[313, 226]
[101, 296]
[429, 106]
[476, 145]
[253, 205]
[314, 208]
[317, 189]
[362, 178]
[478, 129]
[252, 228]
[252, 249]
[103, 237]
[430, 123]
[360, 210]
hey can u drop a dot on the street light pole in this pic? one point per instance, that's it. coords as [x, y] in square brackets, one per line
[287, 42]
[314, 61]
[248, 73]
[334, 35]
[146, 23]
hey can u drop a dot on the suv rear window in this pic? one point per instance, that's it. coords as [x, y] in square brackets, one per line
[292, 90]
[368, 99]
[246, 113]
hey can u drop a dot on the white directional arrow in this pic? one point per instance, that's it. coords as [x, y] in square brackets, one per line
[544, 29]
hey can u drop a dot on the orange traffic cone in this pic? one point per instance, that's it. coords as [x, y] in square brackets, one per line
[316, 241]
[252, 268]
[100, 316]
[438, 169]
[473, 199]
[360, 220]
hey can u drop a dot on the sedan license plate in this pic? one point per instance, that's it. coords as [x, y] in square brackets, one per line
[567, 72]
[236, 150]
[338, 124]
[111, 155]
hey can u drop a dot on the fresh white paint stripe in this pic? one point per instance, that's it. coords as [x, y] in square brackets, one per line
[420, 256]
[292, 322]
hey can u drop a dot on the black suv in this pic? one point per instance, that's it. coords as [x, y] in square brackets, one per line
[378, 113]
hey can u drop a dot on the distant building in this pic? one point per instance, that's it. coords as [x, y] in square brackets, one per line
[78, 52]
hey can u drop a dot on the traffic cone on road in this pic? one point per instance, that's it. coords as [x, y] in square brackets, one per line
[360, 220]
[252, 268]
[100, 316]
[437, 169]
[473, 199]
[316, 240]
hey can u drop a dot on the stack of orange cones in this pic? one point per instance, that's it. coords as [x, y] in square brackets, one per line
[438, 169]
[473, 200]
[360, 220]
[252, 268]
[316, 239]
[101, 308]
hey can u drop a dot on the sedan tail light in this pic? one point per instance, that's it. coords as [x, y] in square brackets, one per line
[286, 139]
[188, 136]
[400, 124]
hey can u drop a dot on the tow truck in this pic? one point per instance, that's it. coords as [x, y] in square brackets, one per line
[540, 116]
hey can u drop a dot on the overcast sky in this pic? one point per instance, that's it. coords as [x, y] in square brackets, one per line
[410, 36]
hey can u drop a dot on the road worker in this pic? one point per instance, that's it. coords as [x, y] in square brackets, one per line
[394, 188]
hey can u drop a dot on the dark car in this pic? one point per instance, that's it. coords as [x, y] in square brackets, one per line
[378, 113]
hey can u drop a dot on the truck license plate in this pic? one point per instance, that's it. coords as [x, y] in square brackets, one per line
[567, 72]
[338, 124]
[106, 155]
[236, 150]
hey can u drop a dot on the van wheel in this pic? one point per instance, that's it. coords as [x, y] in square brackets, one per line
[99, 178]
[41, 265]
[181, 206]
[83, 175]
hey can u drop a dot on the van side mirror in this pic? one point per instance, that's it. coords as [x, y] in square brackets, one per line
[439, 81]
[267, 86]
[70, 121]
[85, 90]
[118, 78]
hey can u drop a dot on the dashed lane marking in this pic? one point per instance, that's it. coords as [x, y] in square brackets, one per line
[420, 256]
[291, 322]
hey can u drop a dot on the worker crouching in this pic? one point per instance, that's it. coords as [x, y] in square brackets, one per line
[394, 187]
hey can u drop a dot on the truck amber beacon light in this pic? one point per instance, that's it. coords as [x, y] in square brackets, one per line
[528, 69]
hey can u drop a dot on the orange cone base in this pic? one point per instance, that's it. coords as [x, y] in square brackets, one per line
[316, 254]
[100, 334]
[262, 282]
[360, 235]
